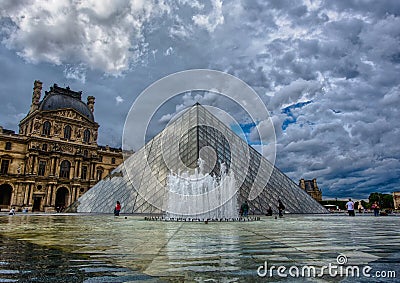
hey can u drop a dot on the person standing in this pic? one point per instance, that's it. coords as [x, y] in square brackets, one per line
[375, 207]
[350, 207]
[281, 208]
[12, 211]
[245, 209]
[117, 209]
[360, 207]
[269, 211]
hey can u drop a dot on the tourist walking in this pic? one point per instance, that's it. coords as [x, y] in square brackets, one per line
[117, 209]
[360, 207]
[350, 207]
[12, 211]
[376, 208]
[281, 208]
[269, 211]
[244, 209]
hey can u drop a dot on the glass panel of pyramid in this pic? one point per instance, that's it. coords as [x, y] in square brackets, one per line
[140, 183]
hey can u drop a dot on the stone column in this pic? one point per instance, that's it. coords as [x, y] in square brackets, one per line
[26, 195]
[76, 169]
[48, 192]
[93, 171]
[35, 164]
[30, 195]
[53, 196]
[72, 176]
[72, 194]
[14, 195]
[57, 167]
[77, 193]
[79, 171]
[51, 167]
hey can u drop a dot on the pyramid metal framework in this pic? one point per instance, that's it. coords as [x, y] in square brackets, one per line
[140, 182]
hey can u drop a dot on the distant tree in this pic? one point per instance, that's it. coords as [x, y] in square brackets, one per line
[374, 197]
[365, 204]
[384, 200]
[387, 201]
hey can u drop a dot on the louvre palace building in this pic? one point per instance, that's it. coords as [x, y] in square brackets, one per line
[55, 158]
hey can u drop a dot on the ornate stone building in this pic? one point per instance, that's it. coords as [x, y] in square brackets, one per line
[396, 200]
[311, 187]
[55, 157]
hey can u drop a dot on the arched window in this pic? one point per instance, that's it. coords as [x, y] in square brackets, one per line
[113, 160]
[99, 174]
[5, 194]
[64, 169]
[42, 168]
[85, 153]
[46, 128]
[62, 197]
[8, 145]
[86, 136]
[67, 132]
[5, 163]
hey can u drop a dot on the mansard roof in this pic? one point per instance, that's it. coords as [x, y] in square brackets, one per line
[62, 98]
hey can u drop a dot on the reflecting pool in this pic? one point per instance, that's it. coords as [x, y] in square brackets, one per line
[104, 248]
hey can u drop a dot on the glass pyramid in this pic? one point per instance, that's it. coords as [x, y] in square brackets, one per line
[140, 182]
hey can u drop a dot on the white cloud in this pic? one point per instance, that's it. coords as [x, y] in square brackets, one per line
[106, 36]
[76, 73]
[118, 100]
[213, 19]
[296, 92]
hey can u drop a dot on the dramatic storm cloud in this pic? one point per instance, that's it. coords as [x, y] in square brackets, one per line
[328, 72]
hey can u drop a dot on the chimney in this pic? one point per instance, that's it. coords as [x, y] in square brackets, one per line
[315, 184]
[37, 91]
[302, 184]
[90, 103]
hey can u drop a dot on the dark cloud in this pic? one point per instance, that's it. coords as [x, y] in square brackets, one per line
[341, 57]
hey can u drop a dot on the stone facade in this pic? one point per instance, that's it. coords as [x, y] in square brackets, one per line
[54, 158]
[311, 187]
[396, 200]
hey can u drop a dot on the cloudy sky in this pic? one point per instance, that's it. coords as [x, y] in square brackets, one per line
[328, 71]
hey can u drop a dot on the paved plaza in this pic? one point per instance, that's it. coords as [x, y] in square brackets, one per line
[104, 248]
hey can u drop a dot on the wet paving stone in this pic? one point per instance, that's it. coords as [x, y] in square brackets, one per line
[104, 248]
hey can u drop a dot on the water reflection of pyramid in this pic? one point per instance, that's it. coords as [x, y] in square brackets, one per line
[139, 183]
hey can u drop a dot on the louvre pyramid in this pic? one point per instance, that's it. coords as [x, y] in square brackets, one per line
[140, 182]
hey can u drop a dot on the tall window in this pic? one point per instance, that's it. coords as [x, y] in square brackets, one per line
[46, 128]
[86, 136]
[64, 169]
[84, 173]
[42, 168]
[8, 145]
[4, 166]
[85, 153]
[99, 174]
[113, 160]
[67, 132]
